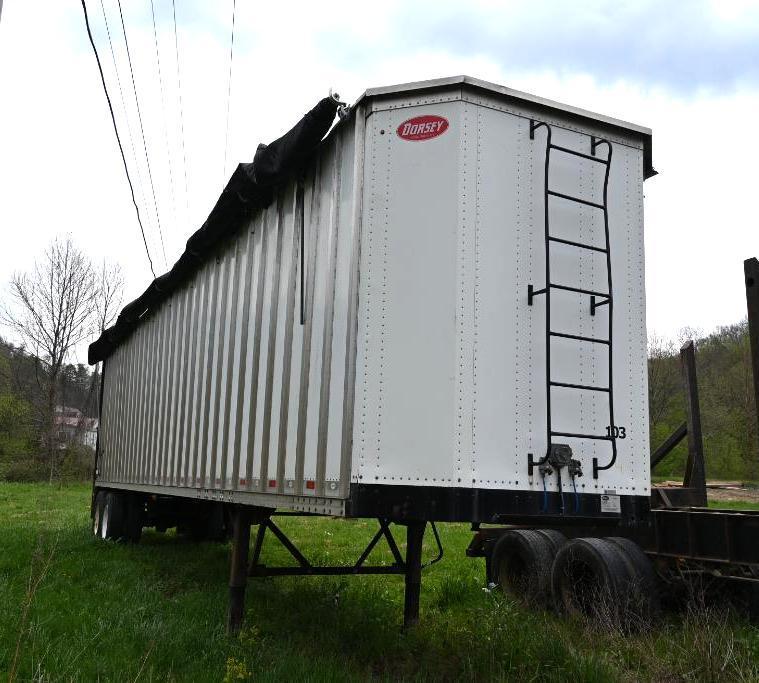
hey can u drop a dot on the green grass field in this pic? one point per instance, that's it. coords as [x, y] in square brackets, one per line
[73, 608]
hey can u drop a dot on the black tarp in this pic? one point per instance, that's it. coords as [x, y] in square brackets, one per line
[251, 187]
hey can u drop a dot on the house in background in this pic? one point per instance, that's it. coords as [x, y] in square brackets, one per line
[72, 426]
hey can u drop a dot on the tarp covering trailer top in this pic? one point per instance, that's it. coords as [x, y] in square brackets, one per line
[438, 309]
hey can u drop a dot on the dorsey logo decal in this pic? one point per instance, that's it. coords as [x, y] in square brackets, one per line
[423, 127]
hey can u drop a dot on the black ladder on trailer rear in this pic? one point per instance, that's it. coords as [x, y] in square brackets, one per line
[597, 299]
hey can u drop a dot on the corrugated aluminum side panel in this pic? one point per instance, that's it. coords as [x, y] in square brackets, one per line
[234, 456]
[318, 276]
[202, 290]
[255, 395]
[289, 236]
[230, 368]
[224, 387]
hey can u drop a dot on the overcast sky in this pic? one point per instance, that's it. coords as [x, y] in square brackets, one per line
[689, 70]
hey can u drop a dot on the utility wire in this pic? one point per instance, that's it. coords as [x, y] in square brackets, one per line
[123, 104]
[181, 109]
[142, 131]
[116, 130]
[163, 108]
[229, 91]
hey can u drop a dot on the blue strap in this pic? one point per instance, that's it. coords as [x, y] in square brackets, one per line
[577, 496]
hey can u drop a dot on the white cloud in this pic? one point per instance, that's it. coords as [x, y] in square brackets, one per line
[681, 44]
[60, 170]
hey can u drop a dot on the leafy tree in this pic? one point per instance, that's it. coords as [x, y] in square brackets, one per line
[726, 399]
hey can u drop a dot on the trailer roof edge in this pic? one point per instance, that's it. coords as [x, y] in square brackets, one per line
[642, 132]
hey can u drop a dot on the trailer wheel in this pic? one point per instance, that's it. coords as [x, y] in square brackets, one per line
[521, 563]
[210, 526]
[133, 518]
[589, 578]
[555, 538]
[752, 603]
[112, 521]
[642, 596]
[97, 513]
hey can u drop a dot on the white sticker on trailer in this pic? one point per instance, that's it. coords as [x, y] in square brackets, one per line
[610, 503]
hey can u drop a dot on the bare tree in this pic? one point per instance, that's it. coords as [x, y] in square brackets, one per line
[53, 312]
[110, 288]
[110, 285]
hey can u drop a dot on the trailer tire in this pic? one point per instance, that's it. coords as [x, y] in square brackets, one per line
[752, 603]
[521, 564]
[555, 538]
[642, 596]
[133, 518]
[589, 578]
[210, 526]
[112, 521]
[97, 513]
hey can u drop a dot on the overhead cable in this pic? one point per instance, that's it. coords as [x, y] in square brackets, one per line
[181, 108]
[123, 105]
[229, 91]
[163, 109]
[142, 131]
[116, 131]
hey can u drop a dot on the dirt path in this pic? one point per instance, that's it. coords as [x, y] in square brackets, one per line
[726, 491]
[733, 493]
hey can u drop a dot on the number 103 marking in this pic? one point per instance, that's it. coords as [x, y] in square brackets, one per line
[616, 432]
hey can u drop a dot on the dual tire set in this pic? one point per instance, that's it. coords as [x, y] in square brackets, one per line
[606, 579]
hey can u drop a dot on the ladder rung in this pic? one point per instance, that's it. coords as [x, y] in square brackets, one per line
[578, 337]
[578, 244]
[584, 387]
[582, 436]
[579, 154]
[576, 199]
[581, 291]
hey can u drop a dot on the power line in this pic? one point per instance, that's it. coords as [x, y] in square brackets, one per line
[181, 109]
[163, 108]
[229, 90]
[116, 130]
[142, 131]
[123, 103]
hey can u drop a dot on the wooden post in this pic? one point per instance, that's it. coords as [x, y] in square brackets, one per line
[238, 573]
[695, 475]
[751, 272]
[414, 538]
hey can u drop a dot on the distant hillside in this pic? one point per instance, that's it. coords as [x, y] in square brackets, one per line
[728, 415]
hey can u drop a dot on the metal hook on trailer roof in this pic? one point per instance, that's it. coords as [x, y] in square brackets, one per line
[343, 109]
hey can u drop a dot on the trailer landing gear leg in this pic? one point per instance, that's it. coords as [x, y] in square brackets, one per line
[414, 536]
[238, 573]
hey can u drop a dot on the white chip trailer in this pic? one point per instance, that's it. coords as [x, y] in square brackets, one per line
[439, 317]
